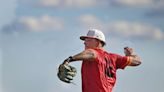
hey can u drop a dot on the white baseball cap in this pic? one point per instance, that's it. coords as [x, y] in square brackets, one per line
[94, 33]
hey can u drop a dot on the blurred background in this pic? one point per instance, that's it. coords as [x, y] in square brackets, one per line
[37, 35]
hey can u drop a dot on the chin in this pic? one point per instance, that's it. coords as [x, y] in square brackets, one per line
[86, 47]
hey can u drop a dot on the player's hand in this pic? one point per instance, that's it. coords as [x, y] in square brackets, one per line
[128, 51]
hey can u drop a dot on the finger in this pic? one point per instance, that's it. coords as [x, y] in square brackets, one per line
[71, 73]
[66, 80]
[128, 51]
[69, 77]
[65, 62]
[127, 48]
[73, 68]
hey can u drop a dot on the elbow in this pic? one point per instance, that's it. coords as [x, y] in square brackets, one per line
[138, 63]
[135, 63]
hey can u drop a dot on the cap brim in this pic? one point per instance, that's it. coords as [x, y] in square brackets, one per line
[83, 37]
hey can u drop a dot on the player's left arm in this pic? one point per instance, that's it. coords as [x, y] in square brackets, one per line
[134, 60]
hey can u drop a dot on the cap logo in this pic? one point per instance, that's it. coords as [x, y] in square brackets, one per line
[91, 33]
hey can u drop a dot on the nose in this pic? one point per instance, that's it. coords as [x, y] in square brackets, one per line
[85, 42]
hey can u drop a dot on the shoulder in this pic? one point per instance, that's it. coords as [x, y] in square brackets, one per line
[90, 51]
[114, 55]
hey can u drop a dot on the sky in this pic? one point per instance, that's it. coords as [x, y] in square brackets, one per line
[37, 35]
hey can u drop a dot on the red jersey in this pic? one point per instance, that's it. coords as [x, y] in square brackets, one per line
[100, 75]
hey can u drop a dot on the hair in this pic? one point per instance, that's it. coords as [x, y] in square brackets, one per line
[102, 43]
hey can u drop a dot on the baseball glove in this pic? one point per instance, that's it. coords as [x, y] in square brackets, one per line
[66, 73]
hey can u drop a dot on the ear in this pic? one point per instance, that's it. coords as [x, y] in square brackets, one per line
[99, 43]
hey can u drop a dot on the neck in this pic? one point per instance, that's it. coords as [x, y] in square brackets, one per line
[96, 48]
[100, 48]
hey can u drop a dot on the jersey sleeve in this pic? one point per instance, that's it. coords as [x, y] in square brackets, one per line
[122, 61]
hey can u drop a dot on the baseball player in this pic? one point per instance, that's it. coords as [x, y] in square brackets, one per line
[99, 66]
